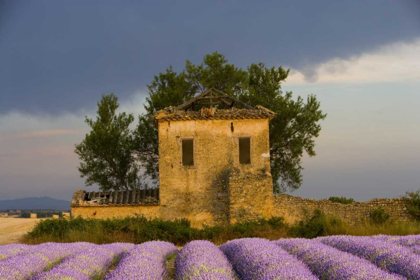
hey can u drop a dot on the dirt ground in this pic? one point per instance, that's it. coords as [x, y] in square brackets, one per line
[12, 229]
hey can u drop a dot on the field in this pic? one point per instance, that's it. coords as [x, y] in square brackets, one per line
[333, 257]
[12, 230]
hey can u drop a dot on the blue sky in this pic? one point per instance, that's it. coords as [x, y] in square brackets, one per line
[361, 59]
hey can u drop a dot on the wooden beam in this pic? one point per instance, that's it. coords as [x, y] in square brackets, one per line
[227, 103]
[236, 100]
[189, 102]
[210, 94]
[214, 97]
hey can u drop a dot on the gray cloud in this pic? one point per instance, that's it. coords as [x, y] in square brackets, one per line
[59, 56]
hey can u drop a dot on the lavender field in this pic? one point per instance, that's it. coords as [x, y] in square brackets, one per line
[333, 257]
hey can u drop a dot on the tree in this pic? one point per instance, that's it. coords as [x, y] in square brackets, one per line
[292, 132]
[106, 153]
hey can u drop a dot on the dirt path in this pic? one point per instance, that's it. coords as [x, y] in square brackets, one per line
[12, 229]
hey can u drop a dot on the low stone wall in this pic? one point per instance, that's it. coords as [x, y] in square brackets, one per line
[109, 212]
[295, 209]
[237, 196]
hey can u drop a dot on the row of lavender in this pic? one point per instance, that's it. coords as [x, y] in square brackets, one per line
[336, 257]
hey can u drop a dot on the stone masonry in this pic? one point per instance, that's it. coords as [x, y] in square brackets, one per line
[295, 209]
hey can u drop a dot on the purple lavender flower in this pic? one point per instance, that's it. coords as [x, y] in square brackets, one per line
[203, 260]
[386, 255]
[329, 263]
[92, 262]
[410, 241]
[144, 261]
[257, 258]
[10, 250]
[34, 261]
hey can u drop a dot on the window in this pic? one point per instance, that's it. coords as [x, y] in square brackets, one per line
[187, 152]
[245, 150]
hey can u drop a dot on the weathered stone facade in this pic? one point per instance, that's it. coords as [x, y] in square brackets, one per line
[200, 192]
[217, 188]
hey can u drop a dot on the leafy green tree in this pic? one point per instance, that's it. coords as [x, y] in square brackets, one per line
[292, 132]
[106, 153]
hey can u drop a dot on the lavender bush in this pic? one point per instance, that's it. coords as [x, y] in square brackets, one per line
[86, 264]
[386, 255]
[144, 261]
[329, 263]
[257, 258]
[32, 262]
[410, 241]
[335, 257]
[10, 250]
[203, 260]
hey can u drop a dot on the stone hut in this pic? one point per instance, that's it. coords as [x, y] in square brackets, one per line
[214, 169]
[214, 166]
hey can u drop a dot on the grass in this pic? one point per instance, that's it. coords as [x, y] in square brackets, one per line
[368, 228]
[139, 229]
[323, 225]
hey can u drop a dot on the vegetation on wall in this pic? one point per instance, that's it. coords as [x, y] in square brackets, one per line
[292, 132]
[312, 227]
[379, 216]
[341, 199]
[413, 199]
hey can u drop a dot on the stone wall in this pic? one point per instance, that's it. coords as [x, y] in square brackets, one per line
[295, 209]
[250, 196]
[108, 212]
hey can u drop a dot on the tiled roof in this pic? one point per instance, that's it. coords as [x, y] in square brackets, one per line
[213, 105]
[169, 114]
[133, 197]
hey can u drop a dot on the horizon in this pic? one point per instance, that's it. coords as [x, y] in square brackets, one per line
[361, 59]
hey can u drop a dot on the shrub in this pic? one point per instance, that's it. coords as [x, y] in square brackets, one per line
[139, 230]
[313, 226]
[379, 216]
[413, 207]
[342, 199]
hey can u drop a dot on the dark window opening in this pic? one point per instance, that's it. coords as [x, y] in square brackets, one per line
[187, 152]
[245, 150]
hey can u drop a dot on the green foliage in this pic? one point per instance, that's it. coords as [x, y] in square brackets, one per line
[106, 153]
[140, 229]
[342, 199]
[413, 201]
[312, 227]
[378, 216]
[292, 132]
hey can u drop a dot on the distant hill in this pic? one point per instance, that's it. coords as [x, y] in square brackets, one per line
[35, 203]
